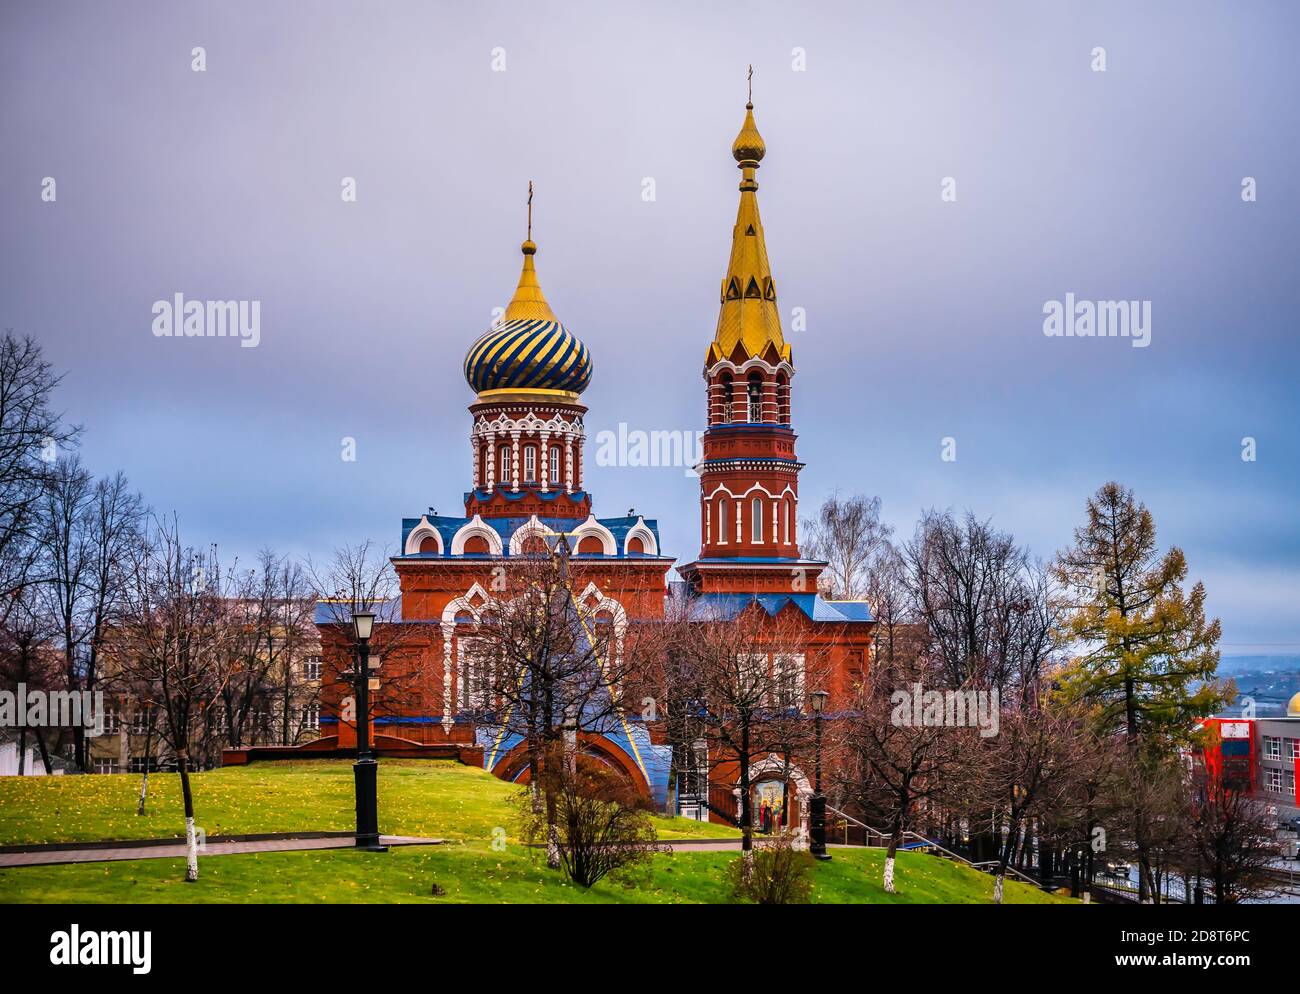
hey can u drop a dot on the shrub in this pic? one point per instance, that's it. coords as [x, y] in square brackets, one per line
[778, 874]
[602, 825]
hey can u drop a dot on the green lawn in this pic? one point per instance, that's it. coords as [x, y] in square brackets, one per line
[473, 873]
[441, 799]
[416, 797]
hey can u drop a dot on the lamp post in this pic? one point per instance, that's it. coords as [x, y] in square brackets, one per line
[365, 771]
[818, 802]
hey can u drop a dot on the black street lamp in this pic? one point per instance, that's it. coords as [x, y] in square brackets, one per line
[365, 770]
[818, 801]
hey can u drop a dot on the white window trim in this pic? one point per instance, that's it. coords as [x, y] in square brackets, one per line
[472, 697]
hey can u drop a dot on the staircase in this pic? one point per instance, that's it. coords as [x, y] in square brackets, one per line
[914, 842]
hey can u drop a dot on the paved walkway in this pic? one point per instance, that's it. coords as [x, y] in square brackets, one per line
[99, 852]
[721, 845]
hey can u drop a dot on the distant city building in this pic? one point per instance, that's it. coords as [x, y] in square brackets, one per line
[1260, 756]
[281, 708]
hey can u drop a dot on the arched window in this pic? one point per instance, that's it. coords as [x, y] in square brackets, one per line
[475, 675]
[428, 544]
[555, 465]
[530, 464]
[726, 398]
[783, 399]
[755, 397]
[722, 520]
[635, 545]
[477, 545]
[789, 520]
[590, 546]
[505, 463]
[756, 520]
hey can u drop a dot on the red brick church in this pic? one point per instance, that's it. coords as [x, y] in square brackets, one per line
[527, 484]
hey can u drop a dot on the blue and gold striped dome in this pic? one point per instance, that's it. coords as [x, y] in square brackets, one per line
[529, 350]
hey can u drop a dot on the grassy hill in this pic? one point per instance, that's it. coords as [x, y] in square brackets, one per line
[440, 799]
[447, 800]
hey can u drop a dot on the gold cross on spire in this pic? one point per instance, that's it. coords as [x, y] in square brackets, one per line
[751, 84]
[530, 210]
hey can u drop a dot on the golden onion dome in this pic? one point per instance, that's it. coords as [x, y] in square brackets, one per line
[1293, 708]
[528, 350]
[748, 146]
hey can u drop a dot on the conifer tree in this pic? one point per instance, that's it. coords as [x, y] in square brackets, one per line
[1148, 660]
[1149, 656]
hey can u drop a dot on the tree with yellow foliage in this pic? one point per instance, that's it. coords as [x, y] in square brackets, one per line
[1147, 657]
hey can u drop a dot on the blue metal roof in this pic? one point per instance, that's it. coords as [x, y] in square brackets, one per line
[548, 496]
[447, 526]
[332, 611]
[815, 606]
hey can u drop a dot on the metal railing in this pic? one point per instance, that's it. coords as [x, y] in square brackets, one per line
[987, 866]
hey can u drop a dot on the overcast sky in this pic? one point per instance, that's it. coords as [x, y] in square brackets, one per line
[924, 316]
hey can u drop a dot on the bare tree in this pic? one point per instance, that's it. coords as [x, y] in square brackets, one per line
[89, 529]
[743, 678]
[114, 519]
[361, 577]
[1233, 843]
[987, 617]
[31, 434]
[544, 664]
[849, 535]
[969, 586]
[65, 561]
[29, 659]
[275, 605]
[175, 644]
[1031, 768]
[893, 765]
[898, 633]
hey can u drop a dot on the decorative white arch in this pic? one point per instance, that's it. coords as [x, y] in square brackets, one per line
[607, 605]
[773, 765]
[474, 601]
[754, 362]
[642, 531]
[533, 526]
[723, 488]
[419, 533]
[593, 528]
[777, 496]
[475, 526]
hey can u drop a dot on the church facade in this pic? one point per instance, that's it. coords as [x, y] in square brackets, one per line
[526, 472]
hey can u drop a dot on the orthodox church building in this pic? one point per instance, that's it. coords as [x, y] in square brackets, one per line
[527, 487]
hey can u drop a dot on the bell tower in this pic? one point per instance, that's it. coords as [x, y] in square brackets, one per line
[749, 474]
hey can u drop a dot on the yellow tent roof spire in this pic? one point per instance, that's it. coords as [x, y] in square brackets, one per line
[748, 313]
[528, 303]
